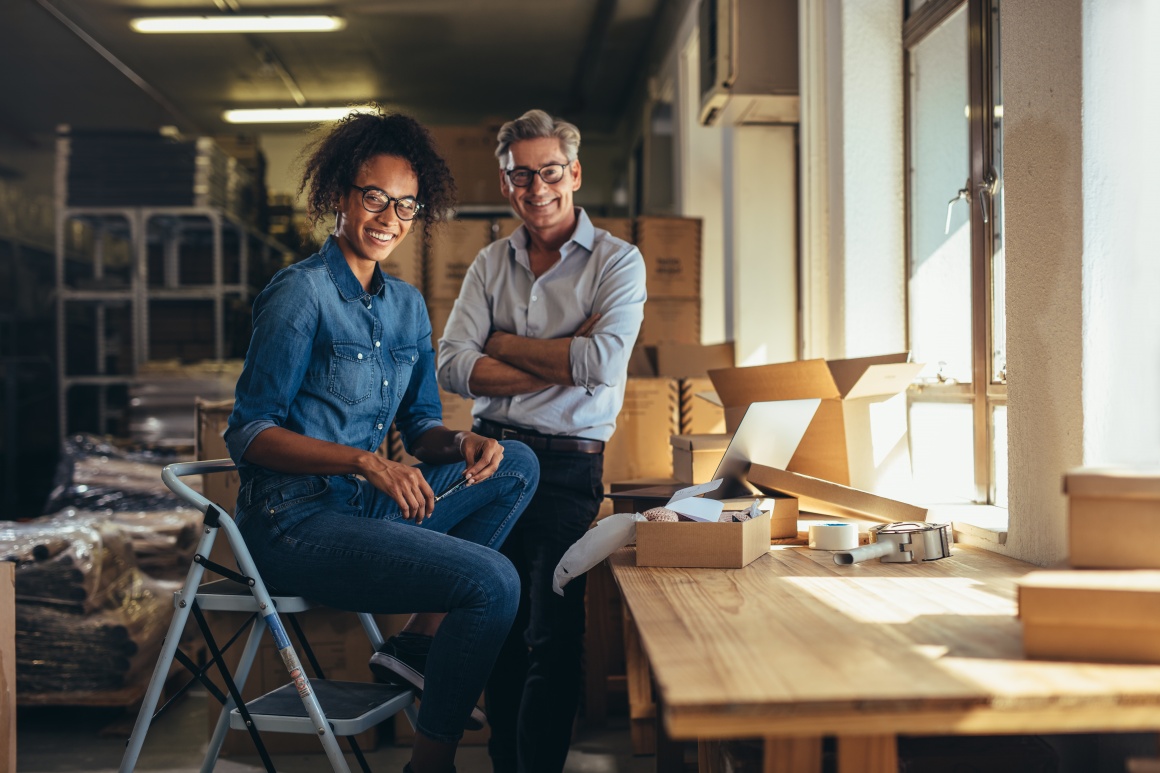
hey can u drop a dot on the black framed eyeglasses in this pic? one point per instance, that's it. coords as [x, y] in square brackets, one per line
[549, 173]
[376, 200]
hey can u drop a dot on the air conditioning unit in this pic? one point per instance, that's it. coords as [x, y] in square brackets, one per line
[749, 62]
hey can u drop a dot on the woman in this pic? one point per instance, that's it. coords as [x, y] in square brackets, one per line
[339, 351]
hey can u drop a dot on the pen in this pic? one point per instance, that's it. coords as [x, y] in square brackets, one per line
[452, 489]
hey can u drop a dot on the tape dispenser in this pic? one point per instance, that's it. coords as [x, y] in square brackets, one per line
[902, 543]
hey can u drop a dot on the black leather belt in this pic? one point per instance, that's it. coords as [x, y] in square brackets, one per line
[537, 441]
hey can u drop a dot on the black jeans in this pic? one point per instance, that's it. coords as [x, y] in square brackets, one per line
[534, 689]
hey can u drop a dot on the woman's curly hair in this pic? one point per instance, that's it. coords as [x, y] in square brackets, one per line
[335, 158]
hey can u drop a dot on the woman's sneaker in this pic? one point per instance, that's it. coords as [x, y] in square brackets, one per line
[402, 660]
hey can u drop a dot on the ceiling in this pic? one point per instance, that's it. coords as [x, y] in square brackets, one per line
[445, 61]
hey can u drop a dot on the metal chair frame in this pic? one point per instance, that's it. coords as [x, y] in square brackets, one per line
[301, 705]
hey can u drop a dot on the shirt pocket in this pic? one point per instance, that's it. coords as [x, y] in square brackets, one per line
[404, 358]
[352, 371]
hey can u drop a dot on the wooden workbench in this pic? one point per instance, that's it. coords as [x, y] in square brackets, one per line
[793, 647]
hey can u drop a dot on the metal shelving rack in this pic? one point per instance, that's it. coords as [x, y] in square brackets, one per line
[145, 228]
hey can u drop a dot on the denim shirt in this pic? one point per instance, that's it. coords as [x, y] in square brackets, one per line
[331, 361]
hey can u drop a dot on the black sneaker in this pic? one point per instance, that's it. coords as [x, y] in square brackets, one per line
[403, 662]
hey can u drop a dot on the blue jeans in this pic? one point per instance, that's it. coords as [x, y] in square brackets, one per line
[341, 542]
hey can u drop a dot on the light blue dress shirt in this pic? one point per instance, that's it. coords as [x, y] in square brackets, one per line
[596, 273]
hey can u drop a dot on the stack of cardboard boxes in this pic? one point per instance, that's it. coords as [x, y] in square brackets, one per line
[1105, 608]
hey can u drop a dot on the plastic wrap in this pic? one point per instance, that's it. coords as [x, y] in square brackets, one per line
[598, 543]
[94, 474]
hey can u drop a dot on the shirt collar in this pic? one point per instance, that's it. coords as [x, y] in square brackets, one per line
[344, 279]
[584, 235]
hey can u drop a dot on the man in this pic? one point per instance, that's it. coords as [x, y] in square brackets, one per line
[540, 336]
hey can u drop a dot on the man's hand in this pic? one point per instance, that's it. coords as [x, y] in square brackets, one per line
[404, 484]
[495, 343]
[482, 454]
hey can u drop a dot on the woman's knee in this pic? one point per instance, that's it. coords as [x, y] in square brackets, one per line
[520, 460]
[500, 585]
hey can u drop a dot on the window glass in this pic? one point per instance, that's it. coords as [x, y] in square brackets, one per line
[942, 451]
[940, 233]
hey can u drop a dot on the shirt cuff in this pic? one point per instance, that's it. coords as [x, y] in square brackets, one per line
[579, 352]
[459, 372]
[239, 440]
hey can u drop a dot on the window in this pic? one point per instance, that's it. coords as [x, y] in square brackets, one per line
[955, 248]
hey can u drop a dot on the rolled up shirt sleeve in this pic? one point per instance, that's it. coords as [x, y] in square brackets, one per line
[285, 321]
[601, 359]
[466, 333]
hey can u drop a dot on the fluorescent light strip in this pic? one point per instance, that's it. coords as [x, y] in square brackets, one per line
[237, 23]
[293, 114]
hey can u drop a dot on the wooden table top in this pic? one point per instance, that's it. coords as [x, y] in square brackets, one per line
[795, 645]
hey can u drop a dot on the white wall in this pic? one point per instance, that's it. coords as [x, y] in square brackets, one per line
[1043, 139]
[1121, 235]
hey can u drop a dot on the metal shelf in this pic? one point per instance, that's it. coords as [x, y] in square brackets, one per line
[147, 230]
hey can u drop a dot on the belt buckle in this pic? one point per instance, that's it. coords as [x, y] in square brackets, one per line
[507, 433]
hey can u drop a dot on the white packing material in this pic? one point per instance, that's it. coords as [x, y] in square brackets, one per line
[598, 543]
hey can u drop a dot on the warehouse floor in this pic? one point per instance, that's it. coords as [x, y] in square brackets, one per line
[50, 740]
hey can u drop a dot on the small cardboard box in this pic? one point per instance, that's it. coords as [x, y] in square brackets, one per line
[454, 246]
[1105, 505]
[826, 498]
[690, 363]
[695, 457]
[671, 247]
[1107, 616]
[691, 544]
[859, 435]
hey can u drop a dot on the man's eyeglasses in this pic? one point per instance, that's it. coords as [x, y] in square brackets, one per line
[377, 200]
[549, 173]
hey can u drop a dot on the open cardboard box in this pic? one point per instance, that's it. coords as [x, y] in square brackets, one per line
[769, 430]
[827, 498]
[858, 437]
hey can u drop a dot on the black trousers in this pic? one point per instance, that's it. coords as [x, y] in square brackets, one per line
[534, 689]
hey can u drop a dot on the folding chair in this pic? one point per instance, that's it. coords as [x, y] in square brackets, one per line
[314, 706]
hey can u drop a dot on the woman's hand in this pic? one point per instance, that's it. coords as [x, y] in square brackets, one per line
[482, 454]
[404, 484]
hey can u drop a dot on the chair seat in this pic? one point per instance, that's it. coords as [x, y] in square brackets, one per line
[351, 707]
[230, 596]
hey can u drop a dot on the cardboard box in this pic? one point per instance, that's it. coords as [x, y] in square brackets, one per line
[439, 312]
[620, 227]
[470, 155]
[669, 320]
[454, 246]
[506, 226]
[700, 416]
[456, 411]
[639, 448]
[710, 545]
[859, 436]
[826, 498]
[695, 457]
[221, 488]
[1107, 616]
[671, 247]
[1104, 505]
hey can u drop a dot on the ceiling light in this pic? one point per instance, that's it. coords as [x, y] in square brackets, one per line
[238, 23]
[294, 114]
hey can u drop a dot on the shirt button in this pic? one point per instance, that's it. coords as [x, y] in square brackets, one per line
[378, 344]
[518, 399]
[360, 355]
[386, 382]
[378, 426]
[535, 297]
[368, 304]
[412, 358]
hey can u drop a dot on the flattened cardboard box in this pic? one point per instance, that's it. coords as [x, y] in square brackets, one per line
[709, 545]
[1104, 505]
[859, 435]
[620, 227]
[827, 498]
[1090, 614]
[639, 448]
[454, 246]
[671, 247]
[671, 320]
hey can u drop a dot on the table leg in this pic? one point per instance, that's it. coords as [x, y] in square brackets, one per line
[641, 709]
[709, 757]
[793, 755]
[867, 754]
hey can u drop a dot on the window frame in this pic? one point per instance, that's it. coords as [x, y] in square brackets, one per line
[986, 389]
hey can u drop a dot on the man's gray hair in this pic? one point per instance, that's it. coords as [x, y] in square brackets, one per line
[534, 124]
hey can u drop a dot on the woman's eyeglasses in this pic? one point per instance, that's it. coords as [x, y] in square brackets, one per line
[376, 200]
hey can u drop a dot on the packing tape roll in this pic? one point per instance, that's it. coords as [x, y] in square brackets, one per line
[833, 536]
